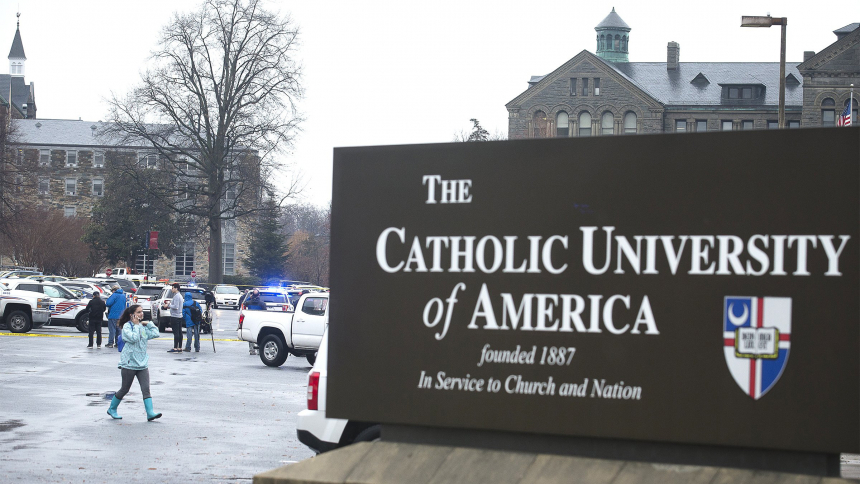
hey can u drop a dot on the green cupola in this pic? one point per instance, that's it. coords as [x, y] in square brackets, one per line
[613, 37]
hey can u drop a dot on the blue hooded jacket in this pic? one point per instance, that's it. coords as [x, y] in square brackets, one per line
[186, 311]
[116, 304]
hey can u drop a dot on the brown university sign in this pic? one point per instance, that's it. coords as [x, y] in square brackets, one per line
[697, 288]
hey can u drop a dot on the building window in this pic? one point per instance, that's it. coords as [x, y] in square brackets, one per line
[772, 124]
[617, 42]
[19, 157]
[70, 211]
[828, 113]
[539, 125]
[793, 124]
[19, 182]
[573, 86]
[746, 124]
[148, 161]
[71, 186]
[185, 259]
[701, 125]
[44, 185]
[71, 158]
[98, 187]
[630, 123]
[725, 125]
[562, 125]
[144, 263]
[44, 157]
[596, 86]
[585, 123]
[680, 125]
[98, 159]
[228, 258]
[585, 86]
[607, 122]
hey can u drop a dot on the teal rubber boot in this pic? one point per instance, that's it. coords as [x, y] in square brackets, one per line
[150, 413]
[114, 403]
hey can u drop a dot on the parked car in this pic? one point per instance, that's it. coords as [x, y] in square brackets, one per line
[279, 334]
[319, 432]
[226, 296]
[21, 311]
[126, 285]
[145, 295]
[21, 274]
[274, 300]
[125, 273]
[49, 278]
[66, 309]
[88, 288]
[161, 316]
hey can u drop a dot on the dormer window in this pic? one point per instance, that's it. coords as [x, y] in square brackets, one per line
[741, 92]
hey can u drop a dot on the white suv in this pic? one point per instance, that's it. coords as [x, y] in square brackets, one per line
[226, 296]
[316, 430]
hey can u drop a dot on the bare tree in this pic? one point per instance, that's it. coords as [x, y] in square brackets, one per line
[478, 133]
[16, 169]
[216, 105]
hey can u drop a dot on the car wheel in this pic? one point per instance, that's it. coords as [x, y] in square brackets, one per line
[273, 351]
[18, 322]
[370, 434]
[312, 358]
[82, 322]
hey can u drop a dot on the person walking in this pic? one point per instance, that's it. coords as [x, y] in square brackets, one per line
[96, 308]
[116, 304]
[176, 320]
[192, 328]
[133, 360]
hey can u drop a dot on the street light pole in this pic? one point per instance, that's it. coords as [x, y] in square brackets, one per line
[769, 21]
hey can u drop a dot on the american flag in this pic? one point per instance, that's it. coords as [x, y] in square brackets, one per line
[845, 117]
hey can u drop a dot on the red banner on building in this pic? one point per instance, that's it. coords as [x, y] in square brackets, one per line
[153, 240]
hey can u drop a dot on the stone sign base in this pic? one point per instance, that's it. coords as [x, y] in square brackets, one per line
[395, 462]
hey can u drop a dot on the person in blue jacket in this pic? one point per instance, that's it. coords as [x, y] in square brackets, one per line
[191, 328]
[133, 360]
[116, 305]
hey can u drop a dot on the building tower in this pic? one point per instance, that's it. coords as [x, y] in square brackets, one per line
[16, 53]
[613, 36]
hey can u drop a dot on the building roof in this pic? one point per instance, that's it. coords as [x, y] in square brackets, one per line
[17, 50]
[612, 21]
[674, 87]
[61, 132]
[847, 29]
[20, 90]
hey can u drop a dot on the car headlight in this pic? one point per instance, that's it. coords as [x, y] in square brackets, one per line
[43, 303]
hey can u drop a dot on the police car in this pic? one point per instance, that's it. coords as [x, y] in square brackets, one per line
[66, 309]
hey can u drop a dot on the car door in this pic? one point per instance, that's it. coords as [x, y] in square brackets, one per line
[309, 322]
[61, 307]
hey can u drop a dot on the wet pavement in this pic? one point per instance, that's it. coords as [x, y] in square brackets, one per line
[226, 415]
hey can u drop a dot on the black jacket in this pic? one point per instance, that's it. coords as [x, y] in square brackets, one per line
[97, 308]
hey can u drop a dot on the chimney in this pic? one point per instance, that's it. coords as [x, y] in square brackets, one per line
[807, 54]
[673, 56]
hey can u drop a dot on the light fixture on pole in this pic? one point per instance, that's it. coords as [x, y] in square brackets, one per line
[767, 22]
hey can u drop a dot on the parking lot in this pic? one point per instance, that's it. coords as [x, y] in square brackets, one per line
[226, 415]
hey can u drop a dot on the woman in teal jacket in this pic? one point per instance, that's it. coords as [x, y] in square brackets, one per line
[133, 361]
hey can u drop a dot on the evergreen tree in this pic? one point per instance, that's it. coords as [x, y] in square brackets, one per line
[267, 251]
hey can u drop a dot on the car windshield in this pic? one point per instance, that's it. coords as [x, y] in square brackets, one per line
[227, 289]
[196, 295]
[57, 291]
[273, 298]
[149, 291]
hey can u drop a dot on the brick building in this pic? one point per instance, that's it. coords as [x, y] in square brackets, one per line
[62, 166]
[604, 94]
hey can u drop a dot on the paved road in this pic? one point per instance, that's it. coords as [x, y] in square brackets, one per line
[226, 415]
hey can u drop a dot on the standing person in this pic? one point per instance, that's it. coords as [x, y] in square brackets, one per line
[192, 328]
[133, 361]
[96, 308]
[116, 304]
[251, 299]
[176, 320]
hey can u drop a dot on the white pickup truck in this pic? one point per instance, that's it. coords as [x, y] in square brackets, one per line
[21, 311]
[279, 334]
[124, 273]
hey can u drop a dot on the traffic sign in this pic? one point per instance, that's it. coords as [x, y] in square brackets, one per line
[108, 272]
[193, 273]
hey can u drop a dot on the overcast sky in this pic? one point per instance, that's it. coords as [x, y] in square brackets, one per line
[400, 71]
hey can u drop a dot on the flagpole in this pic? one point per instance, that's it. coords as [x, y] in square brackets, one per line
[851, 106]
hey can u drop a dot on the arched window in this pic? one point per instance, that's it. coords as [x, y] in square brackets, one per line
[607, 123]
[624, 43]
[539, 125]
[828, 113]
[562, 125]
[630, 123]
[585, 124]
[617, 42]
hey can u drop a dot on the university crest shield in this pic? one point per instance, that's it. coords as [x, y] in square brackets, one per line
[756, 340]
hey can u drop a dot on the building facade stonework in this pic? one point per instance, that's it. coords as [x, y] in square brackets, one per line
[603, 94]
